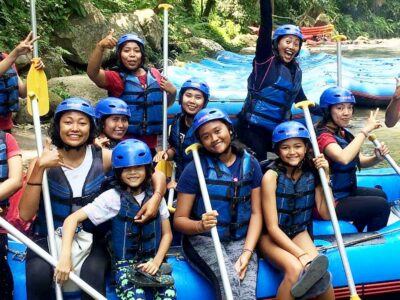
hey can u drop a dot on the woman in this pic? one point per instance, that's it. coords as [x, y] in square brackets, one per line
[365, 207]
[273, 85]
[75, 171]
[233, 181]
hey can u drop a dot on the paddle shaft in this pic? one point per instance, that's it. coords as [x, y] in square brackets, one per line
[34, 28]
[214, 232]
[165, 73]
[171, 190]
[331, 207]
[339, 62]
[45, 188]
[388, 157]
[47, 257]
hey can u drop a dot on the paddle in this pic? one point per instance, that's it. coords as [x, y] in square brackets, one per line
[47, 257]
[339, 38]
[388, 157]
[163, 165]
[214, 233]
[37, 83]
[329, 200]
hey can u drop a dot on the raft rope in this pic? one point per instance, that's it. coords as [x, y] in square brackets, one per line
[360, 240]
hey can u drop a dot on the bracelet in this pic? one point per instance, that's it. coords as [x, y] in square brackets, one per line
[197, 226]
[34, 183]
[305, 253]
[364, 133]
[248, 250]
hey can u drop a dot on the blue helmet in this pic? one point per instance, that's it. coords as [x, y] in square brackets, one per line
[335, 95]
[288, 130]
[287, 29]
[129, 37]
[130, 153]
[112, 106]
[207, 115]
[77, 104]
[197, 84]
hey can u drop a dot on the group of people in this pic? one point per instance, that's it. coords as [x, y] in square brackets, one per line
[101, 177]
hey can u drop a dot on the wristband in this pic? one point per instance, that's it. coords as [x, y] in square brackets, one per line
[248, 250]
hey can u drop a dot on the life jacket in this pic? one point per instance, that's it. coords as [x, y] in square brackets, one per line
[231, 198]
[294, 201]
[145, 105]
[8, 91]
[61, 195]
[180, 143]
[271, 105]
[343, 177]
[129, 239]
[3, 164]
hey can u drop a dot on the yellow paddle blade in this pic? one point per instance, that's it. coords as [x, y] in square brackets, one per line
[165, 167]
[37, 83]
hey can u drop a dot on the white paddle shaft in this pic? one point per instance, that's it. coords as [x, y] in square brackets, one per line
[388, 157]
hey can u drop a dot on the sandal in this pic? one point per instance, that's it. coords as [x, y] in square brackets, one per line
[312, 272]
[162, 278]
[319, 288]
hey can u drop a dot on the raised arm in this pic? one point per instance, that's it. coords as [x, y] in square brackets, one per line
[392, 115]
[94, 71]
[264, 42]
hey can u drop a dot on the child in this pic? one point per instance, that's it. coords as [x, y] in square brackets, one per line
[139, 87]
[193, 96]
[365, 207]
[11, 181]
[134, 246]
[273, 85]
[290, 190]
[11, 86]
[112, 121]
[233, 180]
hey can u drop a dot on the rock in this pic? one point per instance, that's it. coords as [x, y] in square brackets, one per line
[55, 65]
[322, 20]
[123, 23]
[248, 50]
[209, 45]
[151, 26]
[249, 40]
[77, 86]
[23, 61]
[361, 40]
[80, 38]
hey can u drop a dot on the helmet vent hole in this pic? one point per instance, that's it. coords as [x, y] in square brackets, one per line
[141, 154]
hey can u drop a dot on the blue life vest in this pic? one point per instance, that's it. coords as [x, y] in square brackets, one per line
[271, 106]
[129, 239]
[180, 143]
[231, 198]
[3, 164]
[145, 105]
[61, 195]
[8, 91]
[294, 201]
[343, 177]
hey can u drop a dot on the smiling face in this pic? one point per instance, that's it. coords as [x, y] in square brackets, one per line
[74, 128]
[115, 126]
[341, 114]
[192, 101]
[131, 56]
[288, 47]
[134, 176]
[215, 136]
[292, 151]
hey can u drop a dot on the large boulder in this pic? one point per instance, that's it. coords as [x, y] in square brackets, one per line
[55, 65]
[80, 38]
[77, 86]
[210, 46]
[151, 26]
[247, 40]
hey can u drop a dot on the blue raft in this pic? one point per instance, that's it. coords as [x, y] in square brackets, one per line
[374, 257]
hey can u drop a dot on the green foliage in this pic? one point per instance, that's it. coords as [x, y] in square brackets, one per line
[61, 91]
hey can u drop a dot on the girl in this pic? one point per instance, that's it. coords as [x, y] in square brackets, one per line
[273, 85]
[75, 171]
[193, 96]
[233, 180]
[290, 189]
[141, 88]
[11, 182]
[112, 120]
[134, 246]
[365, 207]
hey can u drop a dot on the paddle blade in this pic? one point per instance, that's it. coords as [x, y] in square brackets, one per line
[37, 83]
[165, 167]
